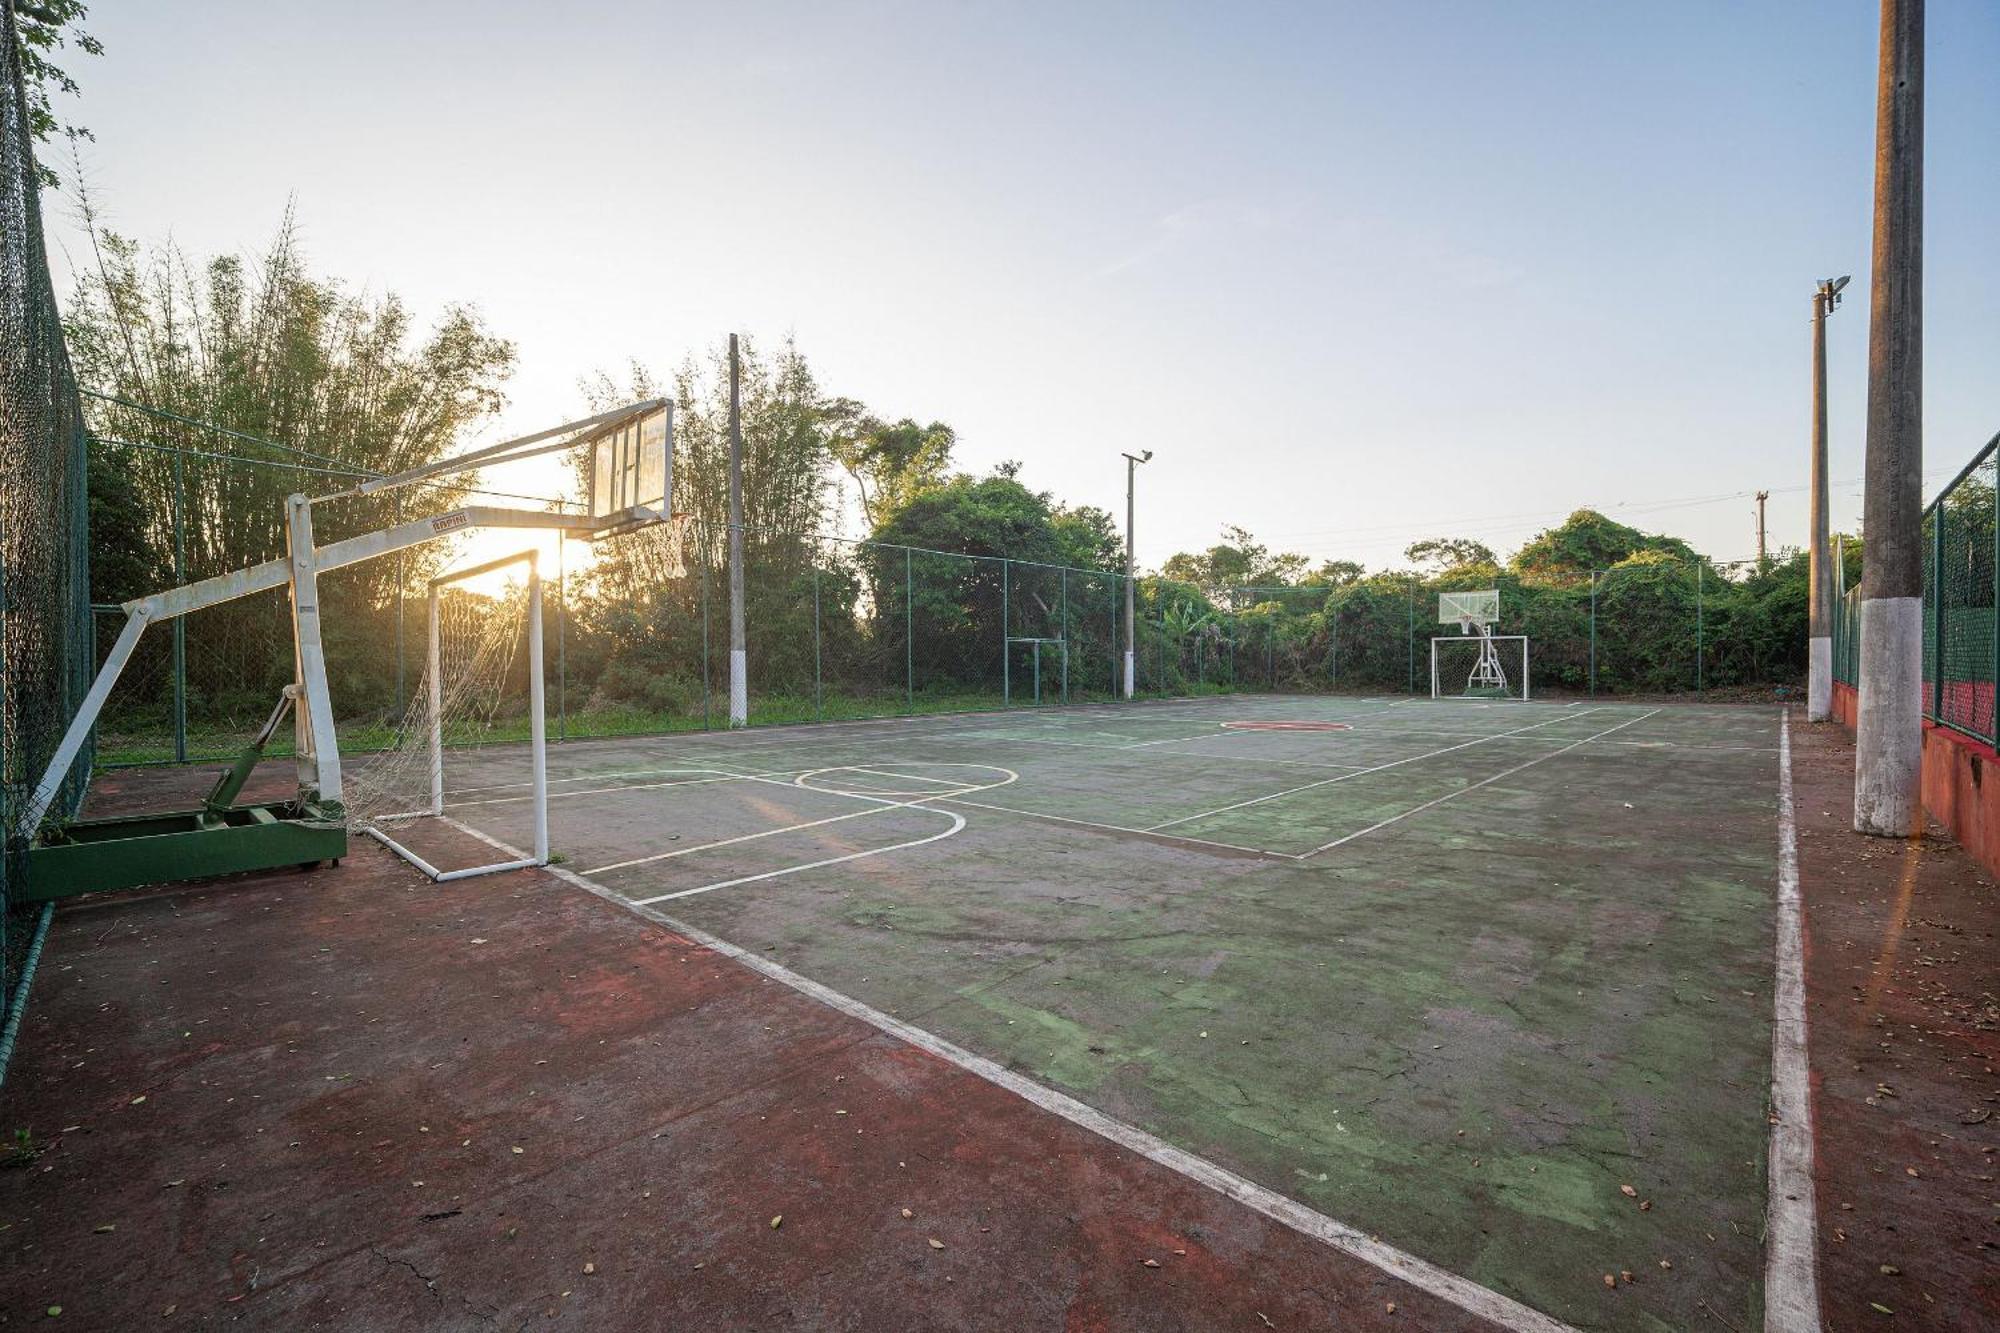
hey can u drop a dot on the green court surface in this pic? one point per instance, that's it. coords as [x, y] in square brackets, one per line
[1488, 981]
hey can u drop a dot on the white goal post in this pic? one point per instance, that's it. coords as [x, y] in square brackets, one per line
[1479, 666]
[437, 704]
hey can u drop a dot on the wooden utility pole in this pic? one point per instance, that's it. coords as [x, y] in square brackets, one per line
[739, 661]
[1819, 574]
[1763, 559]
[1888, 743]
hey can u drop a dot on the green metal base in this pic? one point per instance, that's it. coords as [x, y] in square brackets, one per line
[93, 855]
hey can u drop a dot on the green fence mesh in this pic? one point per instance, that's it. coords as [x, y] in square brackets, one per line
[1961, 631]
[1959, 646]
[44, 597]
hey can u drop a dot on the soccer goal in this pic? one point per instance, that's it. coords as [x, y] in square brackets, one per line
[1476, 663]
[479, 710]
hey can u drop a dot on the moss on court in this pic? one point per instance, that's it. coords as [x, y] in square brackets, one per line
[1467, 1031]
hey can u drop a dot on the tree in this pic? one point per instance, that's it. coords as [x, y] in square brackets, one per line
[1238, 561]
[1588, 540]
[347, 385]
[890, 464]
[42, 29]
[1335, 573]
[1439, 553]
[955, 601]
[638, 632]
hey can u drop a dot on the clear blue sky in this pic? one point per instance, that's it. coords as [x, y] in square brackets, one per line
[1360, 274]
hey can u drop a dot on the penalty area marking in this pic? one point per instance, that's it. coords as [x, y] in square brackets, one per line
[1252, 725]
[1502, 1311]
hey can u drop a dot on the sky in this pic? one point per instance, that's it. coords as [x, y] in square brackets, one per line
[1359, 274]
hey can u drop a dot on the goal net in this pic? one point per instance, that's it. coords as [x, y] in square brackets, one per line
[473, 735]
[1479, 666]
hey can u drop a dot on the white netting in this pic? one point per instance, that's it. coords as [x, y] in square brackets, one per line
[654, 553]
[481, 699]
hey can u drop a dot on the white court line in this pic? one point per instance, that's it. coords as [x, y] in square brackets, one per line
[882, 808]
[1791, 1282]
[1118, 828]
[957, 823]
[1395, 763]
[1502, 1311]
[1475, 786]
[877, 805]
[591, 791]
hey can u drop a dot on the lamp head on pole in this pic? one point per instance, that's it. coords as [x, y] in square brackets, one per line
[1143, 456]
[1829, 290]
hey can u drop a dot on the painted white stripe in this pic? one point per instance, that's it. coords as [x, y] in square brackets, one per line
[1474, 786]
[957, 823]
[877, 805]
[1378, 768]
[1791, 1279]
[593, 791]
[1502, 1311]
[1120, 828]
[753, 837]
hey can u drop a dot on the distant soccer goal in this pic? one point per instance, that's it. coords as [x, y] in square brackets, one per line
[1479, 666]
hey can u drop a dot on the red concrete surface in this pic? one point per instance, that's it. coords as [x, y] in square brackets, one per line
[350, 1099]
[1960, 779]
[1903, 970]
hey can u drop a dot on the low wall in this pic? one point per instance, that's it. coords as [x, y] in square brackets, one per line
[1955, 771]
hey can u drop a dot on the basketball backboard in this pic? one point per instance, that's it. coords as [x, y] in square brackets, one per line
[632, 464]
[1474, 608]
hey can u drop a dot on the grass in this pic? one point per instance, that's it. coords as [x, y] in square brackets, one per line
[129, 742]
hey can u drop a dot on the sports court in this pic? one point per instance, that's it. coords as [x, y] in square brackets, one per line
[1489, 983]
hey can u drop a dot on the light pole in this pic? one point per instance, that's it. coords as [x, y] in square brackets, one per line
[1819, 574]
[1132, 462]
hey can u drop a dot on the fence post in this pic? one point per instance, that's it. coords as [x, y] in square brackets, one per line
[1412, 636]
[1333, 650]
[1993, 598]
[818, 708]
[1593, 634]
[180, 622]
[1065, 634]
[706, 721]
[909, 640]
[1698, 567]
[562, 630]
[1937, 611]
[1116, 596]
[1006, 663]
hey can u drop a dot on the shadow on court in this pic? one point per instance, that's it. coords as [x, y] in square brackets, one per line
[353, 1099]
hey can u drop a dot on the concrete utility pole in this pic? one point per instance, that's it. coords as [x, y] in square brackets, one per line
[1819, 574]
[1763, 560]
[1888, 743]
[739, 660]
[1132, 462]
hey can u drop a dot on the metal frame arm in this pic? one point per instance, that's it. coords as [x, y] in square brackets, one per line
[271, 574]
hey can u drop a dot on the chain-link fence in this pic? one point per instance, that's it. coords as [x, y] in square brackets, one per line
[836, 628]
[1961, 604]
[44, 620]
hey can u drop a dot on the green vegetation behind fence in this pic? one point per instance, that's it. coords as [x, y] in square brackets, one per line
[843, 629]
